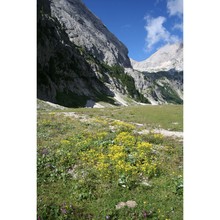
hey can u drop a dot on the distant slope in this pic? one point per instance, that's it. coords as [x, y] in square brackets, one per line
[162, 87]
[169, 57]
[160, 77]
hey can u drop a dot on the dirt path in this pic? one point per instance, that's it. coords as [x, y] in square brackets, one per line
[167, 133]
[177, 134]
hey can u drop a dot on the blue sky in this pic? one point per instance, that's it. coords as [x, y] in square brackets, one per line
[142, 25]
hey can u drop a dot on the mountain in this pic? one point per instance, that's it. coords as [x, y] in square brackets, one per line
[160, 77]
[169, 57]
[80, 63]
[71, 75]
[87, 30]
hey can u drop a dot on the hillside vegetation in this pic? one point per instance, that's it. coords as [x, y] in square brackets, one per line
[98, 164]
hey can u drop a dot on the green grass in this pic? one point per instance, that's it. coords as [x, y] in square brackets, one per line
[69, 185]
[168, 117]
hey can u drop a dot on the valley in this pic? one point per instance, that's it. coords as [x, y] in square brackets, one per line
[109, 129]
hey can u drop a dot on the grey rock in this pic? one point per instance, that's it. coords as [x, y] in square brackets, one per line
[169, 57]
[160, 77]
[88, 31]
[160, 87]
[129, 204]
[120, 205]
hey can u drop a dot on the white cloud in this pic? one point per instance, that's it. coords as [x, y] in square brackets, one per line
[175, 7]
[156, 32]
[178, 26]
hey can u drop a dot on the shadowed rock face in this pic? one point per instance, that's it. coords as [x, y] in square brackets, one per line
[88, 31]
[64, 76]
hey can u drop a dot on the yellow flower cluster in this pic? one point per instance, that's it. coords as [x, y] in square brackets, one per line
[100, 121]
[101, 135]
[125, 155]
[144, 146]
[158, 136]
[116, 153]
[125, 139]
[123, 126]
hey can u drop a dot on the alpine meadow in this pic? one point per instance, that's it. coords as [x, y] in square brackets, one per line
[109, 120]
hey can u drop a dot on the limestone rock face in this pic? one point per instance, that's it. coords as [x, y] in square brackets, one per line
[65, 74]
[167, 58]
[86, 30]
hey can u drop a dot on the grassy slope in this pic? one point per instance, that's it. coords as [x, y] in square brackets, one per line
[169, 117]
[63, 140]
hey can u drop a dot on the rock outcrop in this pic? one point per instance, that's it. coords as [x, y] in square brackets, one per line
[88, 31]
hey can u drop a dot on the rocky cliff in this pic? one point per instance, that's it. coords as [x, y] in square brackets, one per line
[88, 31]
[70, 75]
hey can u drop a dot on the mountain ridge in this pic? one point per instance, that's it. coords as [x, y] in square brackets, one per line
[167, 58]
